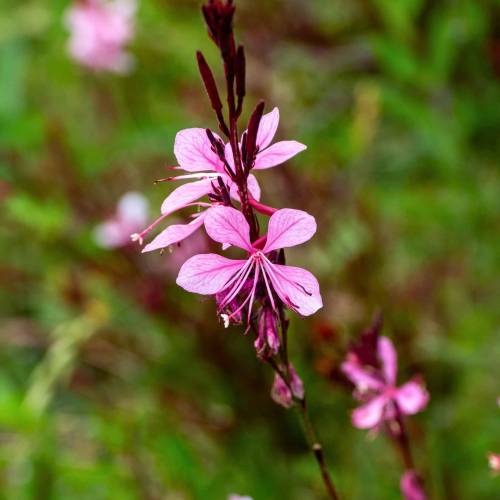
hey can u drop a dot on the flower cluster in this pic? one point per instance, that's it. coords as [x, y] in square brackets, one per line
[99, 31]
[261, 276]
[225, 198]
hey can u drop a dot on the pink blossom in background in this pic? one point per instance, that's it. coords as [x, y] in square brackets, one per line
[238, 497]
[282, 394]
[131, 214]
[99, 31]
[196, 156]
[377, 388]
[210, 274]
[411, 486]
[494, 462]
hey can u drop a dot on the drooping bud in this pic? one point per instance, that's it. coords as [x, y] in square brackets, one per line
[282, 393]
[267, 343]
[412, 487]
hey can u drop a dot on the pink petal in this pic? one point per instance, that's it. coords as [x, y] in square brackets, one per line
[267, 128]
[184, 195]
[389, 359]
[278, 153]
[370, 414]
[360, 377]
[194, 151]
[288, 227]
[228, 225]
[296, 287]
[253, 187]
[133, 209]
[174, 234]
[207, 274]
[411, 398]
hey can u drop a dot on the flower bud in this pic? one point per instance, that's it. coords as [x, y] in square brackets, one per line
[412, 487]
[267, 343]
[282, 393]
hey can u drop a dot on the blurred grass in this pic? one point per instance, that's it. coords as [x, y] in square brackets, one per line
[398, 104]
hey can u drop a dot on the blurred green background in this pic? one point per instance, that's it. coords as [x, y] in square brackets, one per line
[116, 384]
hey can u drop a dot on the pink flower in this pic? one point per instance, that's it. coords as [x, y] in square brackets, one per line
[494, 462]
[238, 497]
[268, 155]
[210, 274]
[284, 394]
[99, 31]
[131, 214]
[378, 388]
[196, 156]
[411, 486]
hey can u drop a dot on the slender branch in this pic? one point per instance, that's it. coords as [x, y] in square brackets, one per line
[316, 448]
[307, 426]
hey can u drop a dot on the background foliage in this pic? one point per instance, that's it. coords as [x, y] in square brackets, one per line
[114, 383]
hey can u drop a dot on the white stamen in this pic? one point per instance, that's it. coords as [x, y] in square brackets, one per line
[137, 237]
[225, 319]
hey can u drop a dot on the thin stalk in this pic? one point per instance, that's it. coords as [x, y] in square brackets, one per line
[316, 448]
[307, 425]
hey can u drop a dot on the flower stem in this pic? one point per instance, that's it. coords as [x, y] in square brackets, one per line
[316, 448]
[302, 409]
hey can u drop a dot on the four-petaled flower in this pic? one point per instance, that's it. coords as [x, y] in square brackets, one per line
[378, 388]
[210, 274]
[195, 155]
[99, 31]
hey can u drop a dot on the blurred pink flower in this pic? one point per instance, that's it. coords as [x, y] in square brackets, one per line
[282, 394]
[131, 214]
[210, 274]
[99, 31]
[196, 156]
[238, 497]
[494, 462]
[411, 486]
[378, 388]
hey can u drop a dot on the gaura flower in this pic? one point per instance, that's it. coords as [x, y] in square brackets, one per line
[411, 486]
[282, 393]
[378, 388]
[196, 156]
[100, 29]
[210, 274]
[131, 214]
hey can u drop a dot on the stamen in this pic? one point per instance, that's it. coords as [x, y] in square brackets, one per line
[238, 285]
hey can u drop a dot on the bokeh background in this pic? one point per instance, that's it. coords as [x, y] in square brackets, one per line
[116, 384]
